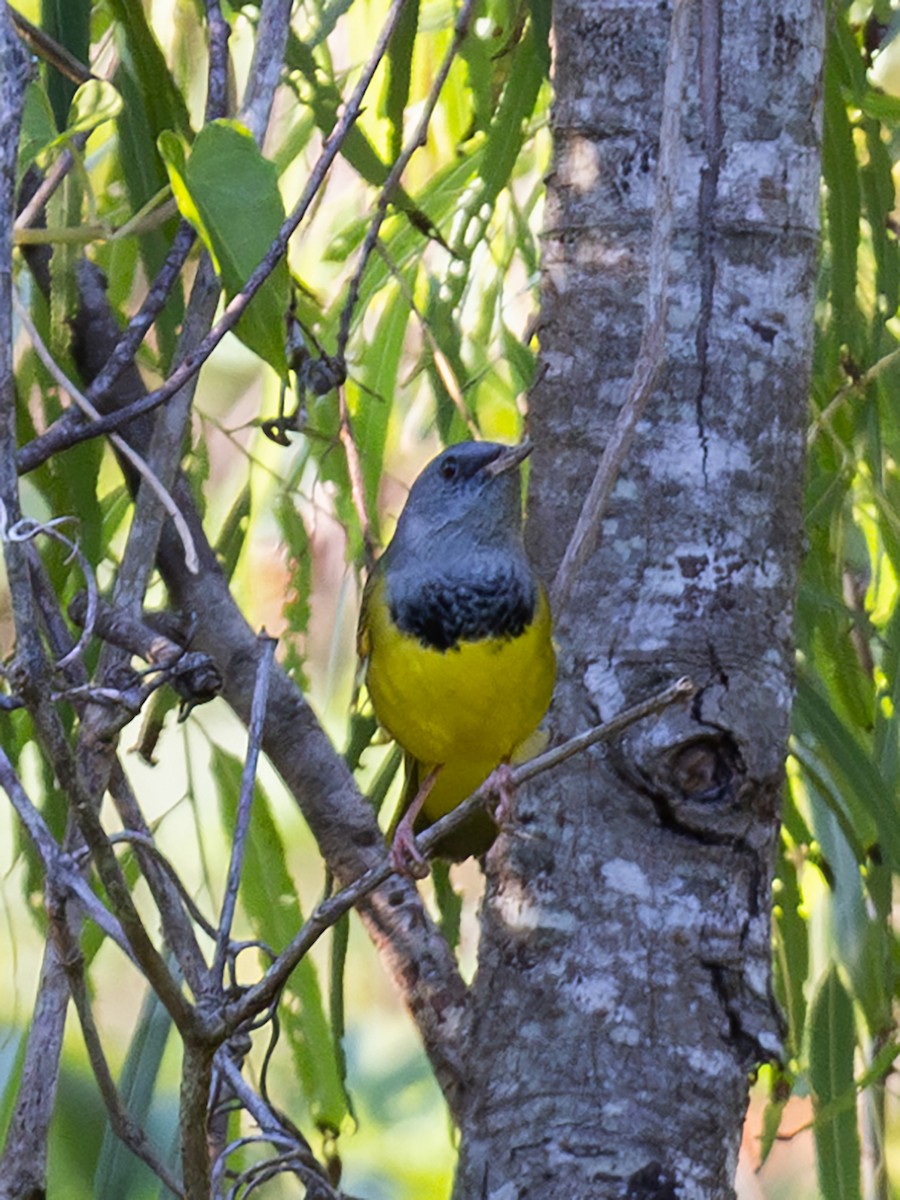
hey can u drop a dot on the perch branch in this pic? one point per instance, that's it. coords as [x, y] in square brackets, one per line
[258, 997]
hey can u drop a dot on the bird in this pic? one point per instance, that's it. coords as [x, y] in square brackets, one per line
[455, 638]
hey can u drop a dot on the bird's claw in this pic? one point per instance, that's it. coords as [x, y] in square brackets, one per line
[406, 857]
[500, 782]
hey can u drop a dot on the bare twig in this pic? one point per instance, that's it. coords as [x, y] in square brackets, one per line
[137, 327]
[59, 868]
[23, 1164]
[48, 185]
[419, 138]
[245, 802]
[25, 530]
[266, 67]
[118, 441]
[166, 888]
[217, 75]
[651, 352]
[853, 387]
[274, 1126]
[49, 49]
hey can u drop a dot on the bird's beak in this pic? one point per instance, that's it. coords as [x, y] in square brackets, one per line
[508, 458]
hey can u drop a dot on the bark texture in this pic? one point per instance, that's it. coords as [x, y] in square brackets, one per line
[623, 989]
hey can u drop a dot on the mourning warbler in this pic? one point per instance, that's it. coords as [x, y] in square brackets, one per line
[455, 634]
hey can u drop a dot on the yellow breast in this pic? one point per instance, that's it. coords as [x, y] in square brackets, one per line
[473, 703]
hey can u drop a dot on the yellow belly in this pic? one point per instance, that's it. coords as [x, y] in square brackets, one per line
[469, 707]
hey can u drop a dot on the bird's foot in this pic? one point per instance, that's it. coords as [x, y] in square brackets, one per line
[500, 782]
[406, 857]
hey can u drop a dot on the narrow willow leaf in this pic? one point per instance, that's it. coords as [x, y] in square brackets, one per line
[870, 805]
[843, 199]
[160, 97]
[137, 1086]
[144, 175]
[399, 64]
[791, 951]
[233, 533]
[376, 403]
[69, 23]
[831, 1051]
[449, 901]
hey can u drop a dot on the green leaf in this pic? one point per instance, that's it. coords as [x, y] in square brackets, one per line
[273, 907]
[779, 1093]
[39, 130]
[69, 23]
[229, 193]
[871, 808]
[399, 65]
[233, 533]
[159, 97]
[832, 1047]
[145, 176]
[520, 358]
[790, 949]
[878, 193]
[448, 900]
[842, 179]
[116, 1166]
[376, 403]
[94, 102]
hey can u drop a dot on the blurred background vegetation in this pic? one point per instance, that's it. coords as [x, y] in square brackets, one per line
[441, 346]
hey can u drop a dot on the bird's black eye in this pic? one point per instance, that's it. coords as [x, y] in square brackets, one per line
[449, 468]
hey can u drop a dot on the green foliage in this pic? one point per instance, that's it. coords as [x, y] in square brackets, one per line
[237, 224]
[836, 948]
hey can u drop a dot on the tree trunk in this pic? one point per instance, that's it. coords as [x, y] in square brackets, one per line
[623, 994]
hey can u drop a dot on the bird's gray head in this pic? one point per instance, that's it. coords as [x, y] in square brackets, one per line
[471, 492]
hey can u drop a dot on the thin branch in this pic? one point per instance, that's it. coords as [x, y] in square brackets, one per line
[143, 840]
[137, 327]
[217, 75]
[118, 441]
[38, 450]
[245, 802]
[272, 30]
[261, 994]
[271, 1123]
[168, 892]
[853, 387]
[48, 185]
[651, 352]
[419, 138]
[25, 530]
[59, 868]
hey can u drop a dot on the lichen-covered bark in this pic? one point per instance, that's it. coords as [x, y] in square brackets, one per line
[623, 987]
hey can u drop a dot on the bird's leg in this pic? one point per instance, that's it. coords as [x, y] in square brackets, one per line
[500, 782]
[406, 857]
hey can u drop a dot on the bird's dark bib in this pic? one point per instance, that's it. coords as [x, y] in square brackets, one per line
[443, 612]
